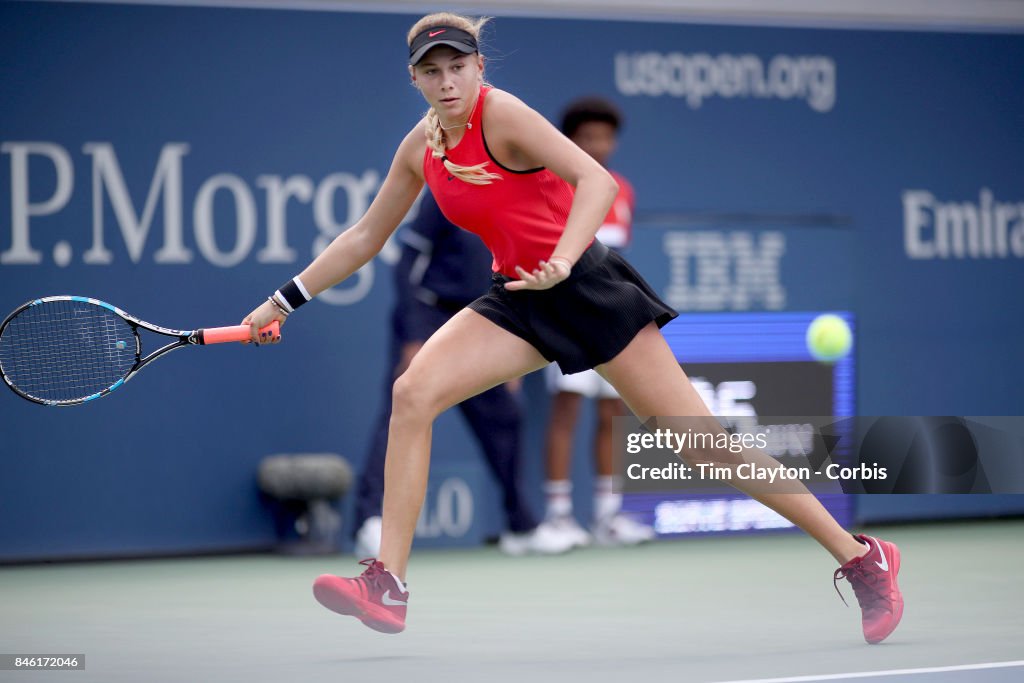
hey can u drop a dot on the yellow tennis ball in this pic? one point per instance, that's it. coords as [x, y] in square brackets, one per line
[829, 338]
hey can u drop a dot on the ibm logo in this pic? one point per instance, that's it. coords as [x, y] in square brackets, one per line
[714, 271]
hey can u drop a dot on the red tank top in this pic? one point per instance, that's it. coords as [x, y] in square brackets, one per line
[520, 217]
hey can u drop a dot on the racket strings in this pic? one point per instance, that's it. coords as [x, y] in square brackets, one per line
[66, 350]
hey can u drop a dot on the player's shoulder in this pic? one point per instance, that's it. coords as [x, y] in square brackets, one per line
[414, 145]
[502, 105]
[498, 97]
[417, 136]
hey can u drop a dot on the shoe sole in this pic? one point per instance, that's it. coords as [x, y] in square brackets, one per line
[898, 611]
[620, 542]
[327, 594]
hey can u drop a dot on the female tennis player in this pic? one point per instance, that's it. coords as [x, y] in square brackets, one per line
[499, 169]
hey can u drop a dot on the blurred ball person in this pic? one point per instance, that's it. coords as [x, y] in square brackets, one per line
[441, 269]
[593, 123]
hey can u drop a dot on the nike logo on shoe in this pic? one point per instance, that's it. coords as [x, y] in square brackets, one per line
[386, 599]
[884, 564]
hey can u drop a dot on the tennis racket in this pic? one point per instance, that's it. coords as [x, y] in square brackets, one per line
[66, 350]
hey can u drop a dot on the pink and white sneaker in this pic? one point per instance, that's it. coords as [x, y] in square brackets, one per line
[873, 577]
[374, 598]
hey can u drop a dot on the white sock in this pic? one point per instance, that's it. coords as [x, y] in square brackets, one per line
[607, 503]
[559, 497]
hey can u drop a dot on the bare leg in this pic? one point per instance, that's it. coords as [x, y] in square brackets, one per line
[649, 379]
[468, 355]
[604, 452]
[565, 408]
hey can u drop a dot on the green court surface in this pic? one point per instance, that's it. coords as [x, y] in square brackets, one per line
[703, 609]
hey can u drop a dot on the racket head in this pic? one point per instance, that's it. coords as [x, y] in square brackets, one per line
[66, 350]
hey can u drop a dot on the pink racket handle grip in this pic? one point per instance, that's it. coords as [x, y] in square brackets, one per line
[237, 333]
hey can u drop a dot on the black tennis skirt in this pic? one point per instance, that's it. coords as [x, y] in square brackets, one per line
[586, 319]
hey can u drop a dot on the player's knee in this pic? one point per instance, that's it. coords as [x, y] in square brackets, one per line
[412, 399]
[720, 455]
[693, 458]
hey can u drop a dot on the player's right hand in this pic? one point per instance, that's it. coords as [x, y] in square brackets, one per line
[264, 314]
[545, 276]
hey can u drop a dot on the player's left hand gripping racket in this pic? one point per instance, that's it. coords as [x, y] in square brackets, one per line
[66, 350]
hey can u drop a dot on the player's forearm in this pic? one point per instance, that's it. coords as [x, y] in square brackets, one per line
[346, 254]
[591, 203]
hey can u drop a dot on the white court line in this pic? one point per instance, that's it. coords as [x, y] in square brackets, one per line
[889, 672]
